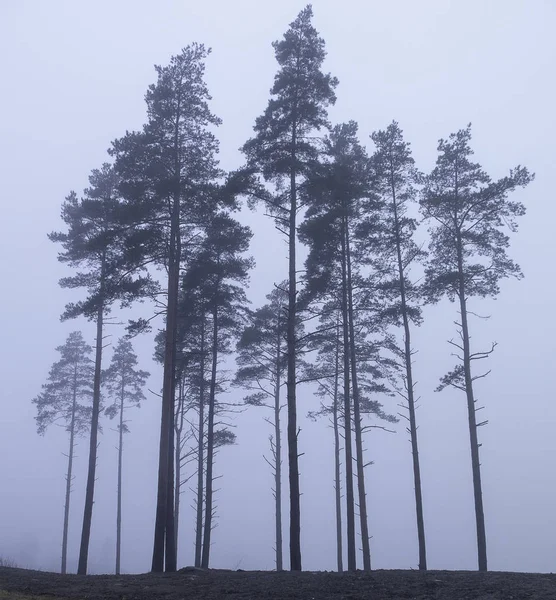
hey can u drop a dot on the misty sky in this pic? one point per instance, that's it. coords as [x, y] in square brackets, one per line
[73, 77]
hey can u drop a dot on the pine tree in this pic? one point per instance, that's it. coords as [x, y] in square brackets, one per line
[468, 258]
[66, 398]
[260, 358]
[124, 383]
[220, 272]
[328, 371]
[170, 173]
[93, 241]
[282, 149]
[385, 237]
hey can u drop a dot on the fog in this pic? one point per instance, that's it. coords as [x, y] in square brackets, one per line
[73, 79]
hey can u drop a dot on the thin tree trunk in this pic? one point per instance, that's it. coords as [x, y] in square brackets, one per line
[410, 390]
[161, 518]
[69, 475]
[471, 412]
[177, 458]
[357, 416]
[90, 490]
[205, 559]
[170, 541]
[350, 502]
[278, 450]
[336, 427]
[293, 454]
[200, 454]
[120, 455]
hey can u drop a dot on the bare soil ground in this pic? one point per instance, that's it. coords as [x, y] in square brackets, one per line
[189, 584]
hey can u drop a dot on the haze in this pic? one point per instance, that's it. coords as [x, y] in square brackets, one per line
[73, 79]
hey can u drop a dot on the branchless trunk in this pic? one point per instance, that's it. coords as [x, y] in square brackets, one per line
[177, 458]
[471, 411]
[91, 473]
[69, 474]
[166, 420]
[205, 559]
[410, 387]
[120, 454]
[350, 502]
[200, 453]
[293, 454]
[164, 535]
[278, 450]
[336, 427]
[170, 541]
[357, 415]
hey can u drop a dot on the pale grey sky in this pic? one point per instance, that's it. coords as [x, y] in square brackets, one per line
[73, 78]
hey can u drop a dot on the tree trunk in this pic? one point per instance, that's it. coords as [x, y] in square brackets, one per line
[278, 451]
[210, 446]
[90, 491]
[200, 454]
[410, 391]
[357, 416]
[170, 541]
[336, 427]
[350, 502]
[165, 483]
[293, 454]
[69, 475]
[120, 454]
[475, 462]
[177, 458]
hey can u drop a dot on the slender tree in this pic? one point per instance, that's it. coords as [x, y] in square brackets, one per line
[66, 399]
[282, 149]
[93, 241]
[386, 240]
[220, 272]
[124, 383]
[328, 373]
[468, 258]
[169, 173]
[260, 358]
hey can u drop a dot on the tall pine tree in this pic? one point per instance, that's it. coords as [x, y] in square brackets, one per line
[468, 258]
[169, 172]
[282, 150]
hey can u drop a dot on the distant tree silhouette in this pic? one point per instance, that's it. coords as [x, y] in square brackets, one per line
[261, 367]
[93, 241]
[124, 383]
[66, 400]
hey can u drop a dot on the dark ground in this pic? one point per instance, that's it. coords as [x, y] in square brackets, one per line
[190, 584]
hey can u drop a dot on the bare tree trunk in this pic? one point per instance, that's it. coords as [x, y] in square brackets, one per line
[357, 416]
[178, 431]
[475, 461]
[170, 541]
[293, 454]
[200, 454]
[350, 502]
[90, 490]
[278, 450]
[336, 427]
[410, 390]
[166, 433]
[69, 475]
[120, 454]
[205, 559]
